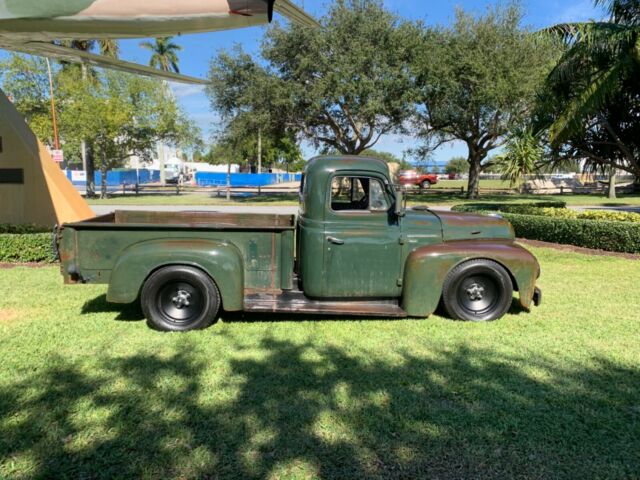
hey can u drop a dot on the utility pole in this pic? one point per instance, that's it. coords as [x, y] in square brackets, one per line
[56, 140]
[259, 150]
[229, 178]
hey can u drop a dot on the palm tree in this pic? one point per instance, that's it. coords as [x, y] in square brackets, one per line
[164, 54]
[599, 57]
[600, 66]
[109, 48]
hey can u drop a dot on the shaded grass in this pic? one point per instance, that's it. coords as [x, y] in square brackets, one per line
[86, 390]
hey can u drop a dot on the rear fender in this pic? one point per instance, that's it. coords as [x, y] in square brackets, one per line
[427, 267]
[220, 260]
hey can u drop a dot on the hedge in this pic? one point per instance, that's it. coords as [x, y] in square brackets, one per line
[11, 228]
[556, 211]
[26, 247]
[599, 234]
[499, 207]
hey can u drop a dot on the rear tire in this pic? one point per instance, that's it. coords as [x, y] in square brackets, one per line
[179, 299]
[477, 291]
[425, 185]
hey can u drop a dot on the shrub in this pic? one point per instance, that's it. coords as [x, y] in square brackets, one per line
[499, 207]
[10, 228]
[546, 209]
[599, 234]
[26, 247]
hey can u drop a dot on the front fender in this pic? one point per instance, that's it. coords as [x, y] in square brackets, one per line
[220, 260]
[426, 269]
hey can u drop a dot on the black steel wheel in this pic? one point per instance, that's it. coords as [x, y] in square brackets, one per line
[477, 290]
[425, 184]
[180, 298]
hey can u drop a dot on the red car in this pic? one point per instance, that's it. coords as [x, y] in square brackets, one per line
[411, 177]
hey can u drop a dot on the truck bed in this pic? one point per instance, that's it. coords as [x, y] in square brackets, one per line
[266, 242]
[189, 219]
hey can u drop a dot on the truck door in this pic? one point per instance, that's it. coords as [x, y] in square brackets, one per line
[362, 239]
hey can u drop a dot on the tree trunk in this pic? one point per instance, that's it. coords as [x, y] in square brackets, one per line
[90, 185]
[474, 175]
[103, 180]
[612, 183]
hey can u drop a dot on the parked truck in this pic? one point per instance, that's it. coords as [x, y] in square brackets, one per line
[354, 249]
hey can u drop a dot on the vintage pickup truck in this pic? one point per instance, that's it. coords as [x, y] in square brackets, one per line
[353, 250]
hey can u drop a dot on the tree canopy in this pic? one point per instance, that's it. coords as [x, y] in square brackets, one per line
[341, 86]
[119, 115]
[591, 100]
[477, 81]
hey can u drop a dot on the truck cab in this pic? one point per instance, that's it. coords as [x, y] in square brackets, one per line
[353, 249]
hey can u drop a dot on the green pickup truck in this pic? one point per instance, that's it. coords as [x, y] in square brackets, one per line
[354, 249]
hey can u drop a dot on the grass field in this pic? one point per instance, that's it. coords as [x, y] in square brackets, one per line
[88, 391]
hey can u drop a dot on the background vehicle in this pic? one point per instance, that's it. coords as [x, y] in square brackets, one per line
[354, 250]
[412, 177]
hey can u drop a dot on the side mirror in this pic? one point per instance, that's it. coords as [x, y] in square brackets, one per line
[400, 203]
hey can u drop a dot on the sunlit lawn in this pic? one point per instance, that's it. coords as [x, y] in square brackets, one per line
[88, 391]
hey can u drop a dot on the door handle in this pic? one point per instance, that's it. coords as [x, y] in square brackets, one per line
[335, 240]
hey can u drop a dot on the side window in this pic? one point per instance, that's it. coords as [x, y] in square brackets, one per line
[358, 193]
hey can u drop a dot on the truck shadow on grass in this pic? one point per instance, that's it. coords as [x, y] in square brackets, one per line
[279, 408]
[133, 313]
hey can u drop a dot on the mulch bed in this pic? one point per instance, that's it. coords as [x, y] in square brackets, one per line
[574, 249]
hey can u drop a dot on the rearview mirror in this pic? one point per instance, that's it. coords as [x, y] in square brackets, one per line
[400, 206]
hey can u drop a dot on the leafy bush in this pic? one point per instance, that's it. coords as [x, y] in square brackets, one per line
[609, 215]
[10, 228]
[26, 247]
[550, 209]
[499, 207]
[599, 234]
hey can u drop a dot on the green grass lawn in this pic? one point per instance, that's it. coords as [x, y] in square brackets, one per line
[88, 391]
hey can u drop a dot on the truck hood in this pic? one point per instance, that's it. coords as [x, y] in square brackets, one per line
[467, 226]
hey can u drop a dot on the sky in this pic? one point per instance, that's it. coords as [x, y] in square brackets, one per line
[199, 49]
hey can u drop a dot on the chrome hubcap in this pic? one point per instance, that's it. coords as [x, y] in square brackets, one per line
[181, 299]
[475, 292]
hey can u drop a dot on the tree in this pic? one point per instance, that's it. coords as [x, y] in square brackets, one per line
[341, 87]
[477, 81]
[456, 165]
[591, 101]
[523, 155]
[25, 81]
[120, 115]
[164, 54]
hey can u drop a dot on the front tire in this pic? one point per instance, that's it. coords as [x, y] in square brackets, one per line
[179, 299]
[477, 291]
[425, 185]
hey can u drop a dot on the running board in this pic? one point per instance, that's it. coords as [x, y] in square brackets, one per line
[294, 301]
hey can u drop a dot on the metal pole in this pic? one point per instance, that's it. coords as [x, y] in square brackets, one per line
[229, 179]
[259, 150]
[53, 108]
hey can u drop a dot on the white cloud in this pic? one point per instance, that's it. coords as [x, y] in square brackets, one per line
[183, 90]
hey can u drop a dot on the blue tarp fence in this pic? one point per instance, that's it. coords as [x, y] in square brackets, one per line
[211, 179]
[203, 179]
[118, 177]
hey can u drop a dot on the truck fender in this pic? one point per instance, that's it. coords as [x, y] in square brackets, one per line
[222, 261]
[427, 267]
